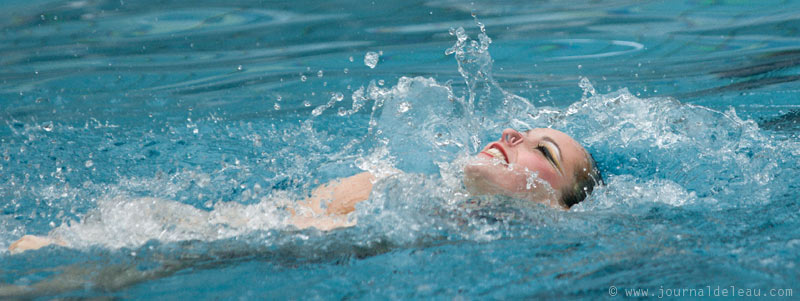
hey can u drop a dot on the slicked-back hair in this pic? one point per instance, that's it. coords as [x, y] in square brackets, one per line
[586, 178]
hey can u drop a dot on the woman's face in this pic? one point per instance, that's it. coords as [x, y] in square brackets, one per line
[535, 165]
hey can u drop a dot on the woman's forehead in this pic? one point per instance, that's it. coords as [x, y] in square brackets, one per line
[556, 135]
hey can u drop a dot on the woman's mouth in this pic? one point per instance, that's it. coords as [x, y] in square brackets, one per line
[497, 153]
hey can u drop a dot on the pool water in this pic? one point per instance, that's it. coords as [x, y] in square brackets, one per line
[163, 142]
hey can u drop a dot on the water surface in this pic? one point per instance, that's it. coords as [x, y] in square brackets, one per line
[117, 112]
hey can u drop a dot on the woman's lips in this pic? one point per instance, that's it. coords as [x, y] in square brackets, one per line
[496, 151]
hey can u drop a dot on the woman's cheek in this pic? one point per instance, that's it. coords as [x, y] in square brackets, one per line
[544, 171]
[549, 177]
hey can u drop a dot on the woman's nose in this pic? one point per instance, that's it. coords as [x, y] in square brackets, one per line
[512, 137]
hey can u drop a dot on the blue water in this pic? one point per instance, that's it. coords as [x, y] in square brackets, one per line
[164, 140]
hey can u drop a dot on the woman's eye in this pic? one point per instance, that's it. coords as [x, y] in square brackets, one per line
[546, 153]
[550, 155]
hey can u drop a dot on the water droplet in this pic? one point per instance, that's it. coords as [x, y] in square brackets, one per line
[404, 107]
[580, 66]
[346, 70]
[195, 131]
[276, 106]
[239, 68]
[381, 82]
[279, 98]
[351, 59]
[371, 59]
[319, 73]
[48, 127]
[587, 87]
[88, 163]
[338, 96]
[303, 78]
[306, 103]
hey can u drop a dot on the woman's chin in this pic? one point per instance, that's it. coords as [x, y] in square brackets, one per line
[484, 176]
[479, 187]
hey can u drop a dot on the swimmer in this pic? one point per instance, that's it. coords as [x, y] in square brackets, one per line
[540, 165]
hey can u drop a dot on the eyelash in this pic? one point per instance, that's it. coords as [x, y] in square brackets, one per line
[546, 152]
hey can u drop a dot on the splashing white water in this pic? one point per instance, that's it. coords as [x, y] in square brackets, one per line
[122, 220]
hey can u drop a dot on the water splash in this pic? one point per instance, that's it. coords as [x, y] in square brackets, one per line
[485, 98]
[587, 87]
[669, 142]
[126, 221]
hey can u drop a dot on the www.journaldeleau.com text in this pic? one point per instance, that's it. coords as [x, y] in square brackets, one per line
[707, 291]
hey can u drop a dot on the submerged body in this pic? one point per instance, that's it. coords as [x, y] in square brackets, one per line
[541, 165]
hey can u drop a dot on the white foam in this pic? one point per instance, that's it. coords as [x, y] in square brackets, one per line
[129, 222]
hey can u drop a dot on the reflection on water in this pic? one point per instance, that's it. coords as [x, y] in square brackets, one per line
[163, 141]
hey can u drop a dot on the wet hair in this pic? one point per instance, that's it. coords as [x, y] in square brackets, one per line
[585, 179]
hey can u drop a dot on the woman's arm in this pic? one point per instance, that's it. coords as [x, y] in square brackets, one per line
[329, 204]
[32, 242]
